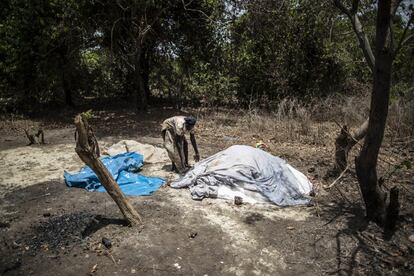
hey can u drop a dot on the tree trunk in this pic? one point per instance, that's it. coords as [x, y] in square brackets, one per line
[343, 145]
[145, 66]
[66, 80]
[27, 83]
[67, 90]
[142, 104]
[139, 95]
[372, 191]
[88, 150]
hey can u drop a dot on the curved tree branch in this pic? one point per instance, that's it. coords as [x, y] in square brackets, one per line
[359, 31]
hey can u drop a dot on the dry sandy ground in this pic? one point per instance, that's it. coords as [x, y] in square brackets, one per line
[26, 166]
[49, 229]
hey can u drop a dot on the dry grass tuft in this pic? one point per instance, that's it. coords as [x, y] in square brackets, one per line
[292, 121]
[400, 121]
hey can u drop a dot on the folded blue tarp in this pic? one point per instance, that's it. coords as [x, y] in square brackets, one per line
[122, 167]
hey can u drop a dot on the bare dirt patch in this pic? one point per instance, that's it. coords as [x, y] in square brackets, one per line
[47, 228]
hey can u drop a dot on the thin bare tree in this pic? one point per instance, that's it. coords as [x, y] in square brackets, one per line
[346, 140]
[380, 207]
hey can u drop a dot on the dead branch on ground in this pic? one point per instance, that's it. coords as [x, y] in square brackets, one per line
[338, 178]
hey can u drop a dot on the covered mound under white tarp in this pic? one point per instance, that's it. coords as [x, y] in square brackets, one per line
[253, 174]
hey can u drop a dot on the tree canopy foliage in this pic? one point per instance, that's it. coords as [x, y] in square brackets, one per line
[210, 52]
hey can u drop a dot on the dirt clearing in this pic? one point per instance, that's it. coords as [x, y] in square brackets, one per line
[47, 228]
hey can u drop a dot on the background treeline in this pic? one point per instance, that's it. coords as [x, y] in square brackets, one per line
[204, 52]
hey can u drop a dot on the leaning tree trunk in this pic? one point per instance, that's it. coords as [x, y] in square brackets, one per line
[88, 150]
[372, 190]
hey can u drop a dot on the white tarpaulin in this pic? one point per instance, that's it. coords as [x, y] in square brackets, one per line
[151, 153]
[253, 174]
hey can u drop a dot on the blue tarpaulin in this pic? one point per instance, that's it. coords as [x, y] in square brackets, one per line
[122, 167]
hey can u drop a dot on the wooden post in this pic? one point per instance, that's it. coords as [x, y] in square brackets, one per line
[88, 150]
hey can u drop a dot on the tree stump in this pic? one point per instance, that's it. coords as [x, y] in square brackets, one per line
[35, 138]
[344, 143]
[88, 150]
